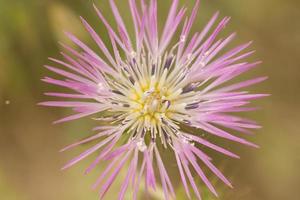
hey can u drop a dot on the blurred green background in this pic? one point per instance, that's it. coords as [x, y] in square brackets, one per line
[29, 143]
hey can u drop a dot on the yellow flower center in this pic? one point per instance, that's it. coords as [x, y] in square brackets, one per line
[151, 102]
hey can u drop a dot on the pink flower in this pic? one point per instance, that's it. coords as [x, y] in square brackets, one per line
[154, 93]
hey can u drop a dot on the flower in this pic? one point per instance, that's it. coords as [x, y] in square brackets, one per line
[155, 93]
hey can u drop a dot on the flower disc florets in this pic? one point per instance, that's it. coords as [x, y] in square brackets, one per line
[154, 96]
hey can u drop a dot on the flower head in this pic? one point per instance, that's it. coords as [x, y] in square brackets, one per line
[155, 93]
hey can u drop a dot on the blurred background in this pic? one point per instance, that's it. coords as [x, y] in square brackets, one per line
[29, 143]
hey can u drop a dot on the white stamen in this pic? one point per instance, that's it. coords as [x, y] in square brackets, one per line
[133, 54]
[141, 145]
[202, 63]
[100, 87]
[182, 38]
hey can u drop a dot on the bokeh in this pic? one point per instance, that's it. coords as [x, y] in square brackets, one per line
[29, 143]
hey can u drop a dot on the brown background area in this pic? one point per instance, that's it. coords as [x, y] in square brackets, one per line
[29, 143]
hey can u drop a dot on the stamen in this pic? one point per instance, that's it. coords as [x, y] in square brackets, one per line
[100, 87]
[167, 103]
[202, 64]
[192, 106]
[153, 69]
[141, 145]
[186, 121]
[188, 88]
[117, 92]
[131, 80]
[133, 54]
[168, 62]
[182, 38]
